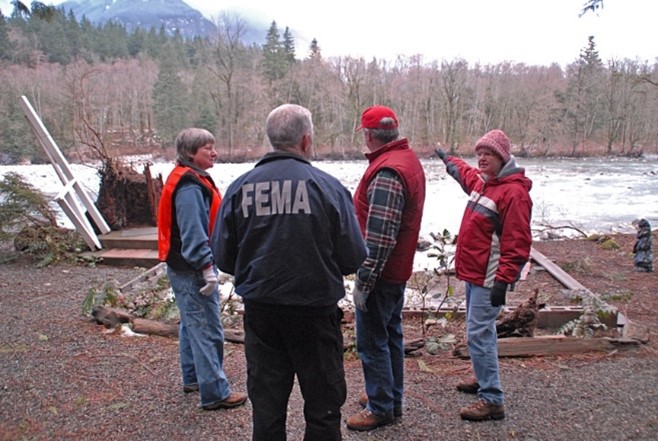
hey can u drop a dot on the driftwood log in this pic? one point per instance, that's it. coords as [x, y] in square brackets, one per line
[554, 345]
[111, 317]
[152, 327]
[522, 320]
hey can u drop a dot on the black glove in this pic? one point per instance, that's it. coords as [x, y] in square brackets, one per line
[440, 153]
[498, 293]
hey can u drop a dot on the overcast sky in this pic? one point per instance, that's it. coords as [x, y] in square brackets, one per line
[486, 31]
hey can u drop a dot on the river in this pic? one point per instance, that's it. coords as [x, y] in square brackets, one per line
[593, 195]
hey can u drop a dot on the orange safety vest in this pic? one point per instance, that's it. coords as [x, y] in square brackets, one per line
[165, 208]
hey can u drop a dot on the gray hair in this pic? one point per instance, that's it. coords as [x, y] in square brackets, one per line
[190, 140]
[385, 135]
[286, 125]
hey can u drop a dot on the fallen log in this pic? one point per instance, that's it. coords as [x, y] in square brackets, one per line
[413, 345]
[152, 327]
[554, 345]
[111, 317]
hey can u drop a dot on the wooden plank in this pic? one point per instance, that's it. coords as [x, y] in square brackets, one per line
[147, 275]
[557, 272]
[60, 164]
[76, 215]
[554, 345]
[90, 239]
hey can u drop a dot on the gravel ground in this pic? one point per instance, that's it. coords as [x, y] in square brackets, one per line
[64, 378]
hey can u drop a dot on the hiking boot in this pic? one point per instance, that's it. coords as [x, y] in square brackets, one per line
[363, 402]
[365, 420]
[234, 400]
[468, 387]
[189, 388]
[482, 410]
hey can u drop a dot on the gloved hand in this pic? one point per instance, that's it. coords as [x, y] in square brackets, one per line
[498, 293]
[359, 298]
[440, 153]
[211, 281]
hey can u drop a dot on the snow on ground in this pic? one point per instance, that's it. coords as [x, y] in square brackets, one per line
[597, 195]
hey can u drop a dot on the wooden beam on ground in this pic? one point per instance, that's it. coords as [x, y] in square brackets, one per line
[147, 275]
[557, 272]
[555, 345]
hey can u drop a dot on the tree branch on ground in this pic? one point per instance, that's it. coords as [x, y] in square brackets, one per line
[548, 227]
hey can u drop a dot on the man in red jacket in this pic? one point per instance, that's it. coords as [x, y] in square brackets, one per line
[492, 247]
[389, 206]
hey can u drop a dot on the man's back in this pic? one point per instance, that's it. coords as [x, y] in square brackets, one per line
[289, 234]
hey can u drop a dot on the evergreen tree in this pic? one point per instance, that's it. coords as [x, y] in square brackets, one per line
[275, 60]
[315, 52]
[6, 47]
[155, 41]
[136, 42]
[55, 41]
[112, 41]
[87, 37]
[170, 97]
[179, 47]
[17, 138]
[73, 35]
[289, 46]
[582, 98]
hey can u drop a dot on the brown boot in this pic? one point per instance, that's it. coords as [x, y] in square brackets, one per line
[468, 387]
[482, 410]
[234, 400]
[189, 388]
[365, 420]
[363, 402]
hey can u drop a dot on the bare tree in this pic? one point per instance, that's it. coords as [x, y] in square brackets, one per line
[224, 63]
[453, 82]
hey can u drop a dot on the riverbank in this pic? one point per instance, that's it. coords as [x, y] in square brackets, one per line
[62, 377]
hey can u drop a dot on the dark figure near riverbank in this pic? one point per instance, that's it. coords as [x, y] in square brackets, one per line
[643, 246]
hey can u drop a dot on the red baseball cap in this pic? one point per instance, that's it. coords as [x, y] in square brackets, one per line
[378, 117]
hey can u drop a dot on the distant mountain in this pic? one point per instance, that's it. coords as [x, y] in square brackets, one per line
[173, 14]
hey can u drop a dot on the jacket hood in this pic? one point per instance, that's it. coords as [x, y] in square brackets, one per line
[511, 172]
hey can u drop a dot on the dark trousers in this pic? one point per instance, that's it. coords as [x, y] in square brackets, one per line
[281, 342]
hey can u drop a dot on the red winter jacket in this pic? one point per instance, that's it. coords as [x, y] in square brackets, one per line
[494, 238]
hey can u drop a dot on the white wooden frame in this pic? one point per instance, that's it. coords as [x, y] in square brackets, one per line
[73, 193]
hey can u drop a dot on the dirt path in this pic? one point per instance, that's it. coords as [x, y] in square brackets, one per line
[64, 378]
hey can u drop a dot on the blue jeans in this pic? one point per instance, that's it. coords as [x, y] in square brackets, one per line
[379, 342]
[201, 336]
[483, 341]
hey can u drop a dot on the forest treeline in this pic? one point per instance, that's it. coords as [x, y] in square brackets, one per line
[102, 89]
